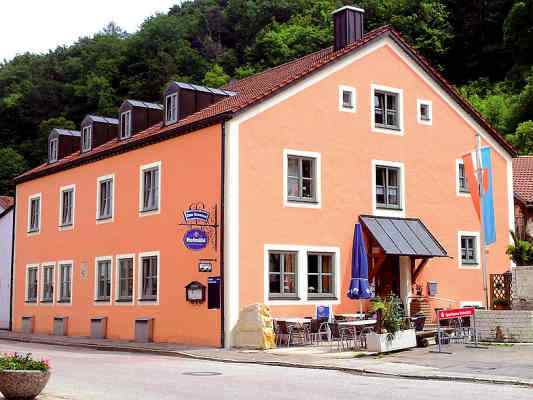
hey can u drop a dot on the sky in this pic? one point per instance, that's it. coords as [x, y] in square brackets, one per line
[40, 25]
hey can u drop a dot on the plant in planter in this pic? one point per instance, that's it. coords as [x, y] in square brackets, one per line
[521, 251]
[22, 377]
[500, 304]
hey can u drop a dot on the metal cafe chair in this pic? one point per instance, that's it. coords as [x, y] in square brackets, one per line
[317, 330]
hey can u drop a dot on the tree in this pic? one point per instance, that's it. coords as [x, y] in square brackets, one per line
[522, 139]
[13, 164]
[216, 77]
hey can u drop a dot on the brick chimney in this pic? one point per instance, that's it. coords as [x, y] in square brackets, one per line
[347, 26]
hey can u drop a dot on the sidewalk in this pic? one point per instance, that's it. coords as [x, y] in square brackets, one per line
[497, 364]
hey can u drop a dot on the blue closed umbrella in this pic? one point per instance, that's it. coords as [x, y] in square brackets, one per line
[359, 288]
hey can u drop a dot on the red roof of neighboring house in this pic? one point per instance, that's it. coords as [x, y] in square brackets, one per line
[252, 90]
[523, 178]
[6, 203]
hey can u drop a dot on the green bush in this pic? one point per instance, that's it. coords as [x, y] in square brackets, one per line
[21, 362]
[521, 251]
[390, 313]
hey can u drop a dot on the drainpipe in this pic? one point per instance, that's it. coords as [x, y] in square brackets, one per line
[222, 196]
[12, 283]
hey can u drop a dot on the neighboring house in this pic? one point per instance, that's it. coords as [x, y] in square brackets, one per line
[523, 194]
[7, 205]
[254, 190]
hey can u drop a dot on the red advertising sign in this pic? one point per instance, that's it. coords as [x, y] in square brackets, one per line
[457, 313]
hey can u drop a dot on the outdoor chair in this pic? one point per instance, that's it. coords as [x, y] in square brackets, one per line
[289, 334]
[317, 330]
[343, 336]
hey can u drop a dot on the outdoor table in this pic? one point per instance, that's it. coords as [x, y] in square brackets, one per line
[295, 320]
[361, 322]
[352, 316]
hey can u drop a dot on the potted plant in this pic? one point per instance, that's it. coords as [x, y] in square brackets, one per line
[22, 377]
[500, 304]
[521, 251]
[393, 331]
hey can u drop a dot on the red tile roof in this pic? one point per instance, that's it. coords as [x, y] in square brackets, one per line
[252, 90]
[6, 202]
[523, 178]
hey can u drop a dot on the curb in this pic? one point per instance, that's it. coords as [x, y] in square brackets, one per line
[351, 370]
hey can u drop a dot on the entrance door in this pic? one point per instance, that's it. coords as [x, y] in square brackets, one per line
[388, 278]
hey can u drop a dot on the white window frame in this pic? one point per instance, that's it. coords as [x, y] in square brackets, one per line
[174, 108]
[342, 108]
[87, 130]
[477, 265]
[60, 221]
[26, 284]
[399, 92]
[127, 134]
[142, 168]
[59, 280]
[302, 294]
[389, 212]
[38, 230]
[43, 266]
[96, 261]
[119, 257]
[429, 104]
[318, 179]
[99, 180]
[458, 191]
[140, 300]
[53, 154]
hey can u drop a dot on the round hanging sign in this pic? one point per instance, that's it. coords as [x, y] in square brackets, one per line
[195, 239]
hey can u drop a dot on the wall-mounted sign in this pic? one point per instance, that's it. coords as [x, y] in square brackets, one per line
[195, 239]
[196, 215]
[195, 292]
[205, 266]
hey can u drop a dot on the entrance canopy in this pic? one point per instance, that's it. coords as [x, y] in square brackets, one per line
[403, 236]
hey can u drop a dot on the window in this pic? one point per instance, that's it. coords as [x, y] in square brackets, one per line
[301, 179]
[171, 107]
[34, 213]
[462, 183]
[150, 183]
[125, 125]
[346, 99]
[103, 280]
[125, 279]
[105, 198]
[32, 284]
[282, 274]
[424, 113]
[388, 187]
[86, 138]
[386, 110]
[65, 282]
[469, 251]
[66, 207]
[48, 284]
[149, 277]
[53, 150]
[320, 275]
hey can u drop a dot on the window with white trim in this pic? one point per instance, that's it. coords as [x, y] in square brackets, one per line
[125, 279]
[347, 98]
[320, 275]
[386, 110]
[105, 198]
[424, 112]
[34, 213]
[469, 251]
[149, 277]
[48, 284]
[67, 207]
[388, 187]
[150, 189]
[125, 124]
[65, 282]
[171, 108]
[283, 274]
[86, 138]
[462, 183]
[103, 280]
[301, 179]
[32, 276]
[53, 150]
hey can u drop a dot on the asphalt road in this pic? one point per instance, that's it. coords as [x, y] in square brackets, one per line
[81, 374]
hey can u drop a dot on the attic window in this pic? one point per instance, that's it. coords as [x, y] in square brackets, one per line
[86, 138]
[125, 125]
[53, 150]
[171, 108]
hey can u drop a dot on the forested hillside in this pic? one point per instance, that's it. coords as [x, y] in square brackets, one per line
[484, 47]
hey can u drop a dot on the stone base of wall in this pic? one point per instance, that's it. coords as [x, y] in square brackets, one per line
[505, 326]
[523, 288]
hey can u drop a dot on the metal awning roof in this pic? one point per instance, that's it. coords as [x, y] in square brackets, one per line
[403, 236]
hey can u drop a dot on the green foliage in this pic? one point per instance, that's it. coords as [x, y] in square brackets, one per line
[216, 77]
[521, 251]
[522, 139]
[21, 362]
[12, 164]
[390, 312]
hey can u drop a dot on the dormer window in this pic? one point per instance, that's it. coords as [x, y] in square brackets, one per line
[86, 138]
[125, 125]
[53, 150]
[171, 108]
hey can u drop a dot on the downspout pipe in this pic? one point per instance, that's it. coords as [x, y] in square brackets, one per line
[222, 204]
[12, 283]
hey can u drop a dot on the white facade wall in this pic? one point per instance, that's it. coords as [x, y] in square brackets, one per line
[6, 242]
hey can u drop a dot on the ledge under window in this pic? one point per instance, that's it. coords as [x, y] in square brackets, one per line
[30, 301]
[390, 127]
[124, 300]
[64, 301]
[108, 300]
[47, 301]
[322, 297]
[148, 299]
[282, 297]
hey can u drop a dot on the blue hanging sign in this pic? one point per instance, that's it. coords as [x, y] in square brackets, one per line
[195, 239]
[196, 215]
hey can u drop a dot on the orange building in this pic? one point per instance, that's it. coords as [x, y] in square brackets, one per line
[250, 194]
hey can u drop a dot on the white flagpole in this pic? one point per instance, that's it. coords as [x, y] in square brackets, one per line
[483, 248]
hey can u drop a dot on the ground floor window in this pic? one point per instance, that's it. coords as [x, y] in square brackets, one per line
[282, 274]
[65, 283]
[103, 280]
[320, 275]
[31, 285]
[125, 279]
[48, 283]
[149, 272]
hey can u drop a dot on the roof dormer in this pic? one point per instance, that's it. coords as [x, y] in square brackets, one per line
[183, 99]
[61, 143]
[96, 130]
[135, 116]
